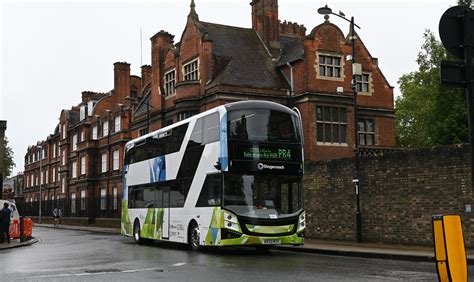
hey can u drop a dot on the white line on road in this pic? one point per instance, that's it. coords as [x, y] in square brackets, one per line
[179, 264]
[94, 273]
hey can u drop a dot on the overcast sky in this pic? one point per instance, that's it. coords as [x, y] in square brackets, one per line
[52, 51]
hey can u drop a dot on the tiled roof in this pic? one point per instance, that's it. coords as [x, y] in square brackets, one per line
[292, 50]
[241, 57]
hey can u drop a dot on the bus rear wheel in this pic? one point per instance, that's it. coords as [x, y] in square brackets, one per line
[194, 236]
[136, 232]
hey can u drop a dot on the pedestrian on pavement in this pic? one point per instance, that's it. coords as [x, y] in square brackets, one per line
[56, 216]
[5, 223]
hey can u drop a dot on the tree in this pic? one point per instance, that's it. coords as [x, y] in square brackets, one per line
[8, 163]
[427, 113]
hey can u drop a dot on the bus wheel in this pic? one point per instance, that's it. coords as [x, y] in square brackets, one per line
[194, 236]
[136, 232]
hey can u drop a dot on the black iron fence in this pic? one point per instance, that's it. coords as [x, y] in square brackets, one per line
[91, 207]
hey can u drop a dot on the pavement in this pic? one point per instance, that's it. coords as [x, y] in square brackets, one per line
[340, 248]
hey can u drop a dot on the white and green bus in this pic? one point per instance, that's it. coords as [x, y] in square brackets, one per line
[229, 176]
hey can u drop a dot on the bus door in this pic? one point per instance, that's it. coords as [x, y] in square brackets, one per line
[166, 213]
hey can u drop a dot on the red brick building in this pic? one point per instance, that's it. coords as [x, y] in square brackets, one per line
[214, 64]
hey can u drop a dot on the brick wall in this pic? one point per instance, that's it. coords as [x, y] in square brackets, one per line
[400, 191]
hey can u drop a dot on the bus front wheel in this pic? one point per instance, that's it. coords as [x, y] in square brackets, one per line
[194, 236]
[136, 232]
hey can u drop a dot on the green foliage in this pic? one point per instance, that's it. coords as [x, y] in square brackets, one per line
[8, 163]
[467, 3]
[427, 113]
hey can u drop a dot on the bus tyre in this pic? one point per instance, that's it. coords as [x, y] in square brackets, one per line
[194, 236]
[136, 232]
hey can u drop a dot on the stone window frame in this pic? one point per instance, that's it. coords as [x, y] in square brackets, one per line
[331, 122]
[333, 55]
[169, 83]
[364, 134]
[369, 83]
[191, 70]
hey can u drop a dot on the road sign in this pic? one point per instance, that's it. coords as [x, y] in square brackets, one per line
[453, 74]
[452, 29]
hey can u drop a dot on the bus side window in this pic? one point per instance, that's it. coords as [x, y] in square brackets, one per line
[211, 192]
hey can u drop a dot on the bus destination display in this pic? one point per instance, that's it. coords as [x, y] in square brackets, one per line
[265, 152]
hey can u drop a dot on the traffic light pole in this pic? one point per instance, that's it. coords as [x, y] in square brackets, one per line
[469, 65]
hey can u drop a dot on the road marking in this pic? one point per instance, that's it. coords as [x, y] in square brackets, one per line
[179, 264]
[94, 273]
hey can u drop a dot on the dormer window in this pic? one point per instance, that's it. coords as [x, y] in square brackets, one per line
[190, 71]
[90, 107]
[170, 82]
[82, 113]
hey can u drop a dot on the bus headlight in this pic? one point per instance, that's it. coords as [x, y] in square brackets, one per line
[231, 222]
[301, 222]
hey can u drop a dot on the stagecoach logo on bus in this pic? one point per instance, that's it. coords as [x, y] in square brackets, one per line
[261, 166]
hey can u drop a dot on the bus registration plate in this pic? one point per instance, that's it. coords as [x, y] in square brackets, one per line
[271, 241]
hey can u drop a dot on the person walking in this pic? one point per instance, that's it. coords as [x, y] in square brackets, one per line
[56, 217]
[5, 222]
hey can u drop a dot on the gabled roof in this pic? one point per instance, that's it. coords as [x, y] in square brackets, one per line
[241, 57]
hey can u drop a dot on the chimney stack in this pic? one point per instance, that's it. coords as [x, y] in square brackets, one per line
[122, 80]
[265, 19]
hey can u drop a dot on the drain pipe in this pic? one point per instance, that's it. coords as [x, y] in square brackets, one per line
[292, 86]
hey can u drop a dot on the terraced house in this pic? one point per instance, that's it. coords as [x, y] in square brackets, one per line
[213, 64]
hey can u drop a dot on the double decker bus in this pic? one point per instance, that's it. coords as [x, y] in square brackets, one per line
[229, 176]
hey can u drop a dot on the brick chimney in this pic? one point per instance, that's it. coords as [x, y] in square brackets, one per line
[121, 80]
[146, 74]
[160, 44]
[265, 19]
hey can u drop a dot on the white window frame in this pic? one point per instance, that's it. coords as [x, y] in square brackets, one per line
[54, 150]
[74, 142]
[105, 128]
[83, 135]
[115, 201]
[83, 165]
[94, 132]
[170, 83]
[103, 167]
[116, 160]
[329, 126]
[53, 176]
[63, 132]
[191, 70]
[73, 203]
[83, 200]
[41, 177]
[46, 176]
[82, 114]
[103, 199]
[63, 184]
[117, 123]
[74, 169]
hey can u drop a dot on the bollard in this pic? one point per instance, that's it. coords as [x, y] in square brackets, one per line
[22, 230]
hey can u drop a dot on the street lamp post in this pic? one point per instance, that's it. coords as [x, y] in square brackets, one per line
[41, 159]
[355, 70]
